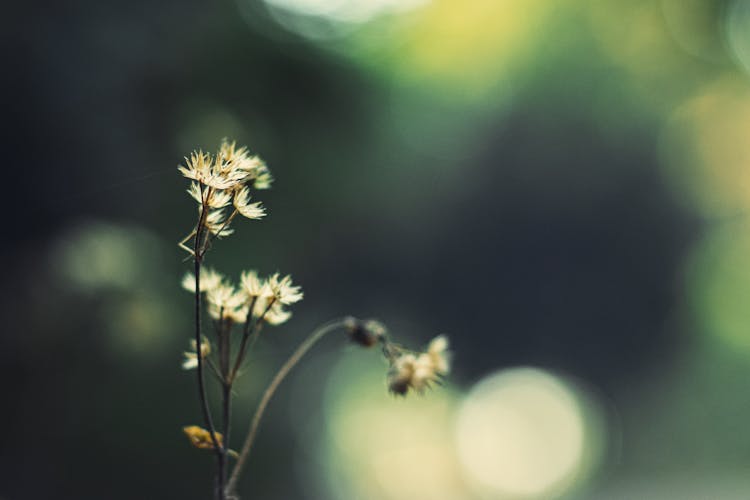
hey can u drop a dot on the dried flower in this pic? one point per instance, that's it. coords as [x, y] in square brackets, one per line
[245, 208]
[270, 310]
[226, 302]
[263, 178]
[253, 286]
[191, 357]
[201, 438]
[283, 291]
[209, 279]
[401, 373]
[277, 315]
[439, 355]
[419, 371]
[210, 197]
[365, 333]
[217, 224]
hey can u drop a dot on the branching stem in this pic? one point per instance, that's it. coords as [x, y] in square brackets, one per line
[220, 455]
[305, 346]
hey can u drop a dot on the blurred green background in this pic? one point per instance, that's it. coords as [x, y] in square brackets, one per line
[561, 187]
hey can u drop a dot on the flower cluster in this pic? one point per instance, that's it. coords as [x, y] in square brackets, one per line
[191, 357]
[418, 370]
[225, 179]
[256, 298]
[221, 183]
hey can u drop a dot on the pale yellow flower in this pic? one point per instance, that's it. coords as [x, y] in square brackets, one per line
[191, 357]
[263, 177]
[214, 198]
[224, 302]
[230, 169]
[198, 166]
[253, 285]
[271, 310]
[216, 223]
[401, 373]
[283, 290]
[209, 279]
[439, 355]
[245, 208]
[277, 315]
[419, 371]
[237, 314]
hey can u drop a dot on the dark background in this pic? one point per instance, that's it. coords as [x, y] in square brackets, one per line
[564, 187]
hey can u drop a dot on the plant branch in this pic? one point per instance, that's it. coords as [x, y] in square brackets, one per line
[201, 379]
[305, 346]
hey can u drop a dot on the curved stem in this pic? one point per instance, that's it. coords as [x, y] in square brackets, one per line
[305, 346]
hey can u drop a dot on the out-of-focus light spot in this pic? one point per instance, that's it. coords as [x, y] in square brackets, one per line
[204, 124]
[718, 281]
[469, 47]
[327, 19]
[378, 446]
[706, 152]
[139, 325]
[634, 36]
[99, 255]
[737, 32]
[349, 11]
[524, 433]
[696, 26]
[121, 267]
[440, 128]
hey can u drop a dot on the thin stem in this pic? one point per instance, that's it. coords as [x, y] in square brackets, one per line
[226, 396]
[212, 237]
[242, 348]
[305, 346]
[201, 380]
[250, 326]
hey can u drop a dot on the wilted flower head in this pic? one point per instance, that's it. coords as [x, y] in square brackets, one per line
[439, 355]
[365, 333]
[226, 302]
[213, 198]
[419, 371]
[191, 357]
[219, 181]
[209, 279]
[283, 291]
[252, 285]
[245, 208]
[270, 310]
[201, 438]
[217, 223]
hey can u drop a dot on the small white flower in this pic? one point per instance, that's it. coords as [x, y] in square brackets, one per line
[209, 279]
[198, 166]
[283, 290]
[253, 285]
[191, 357]
[263, 177]
[245, 208]
[216, 224]
[401, 373]
[419, 371]
[277, 315]
[439, 355]
[224, 301]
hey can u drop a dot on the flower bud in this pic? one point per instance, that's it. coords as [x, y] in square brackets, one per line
[365, 333]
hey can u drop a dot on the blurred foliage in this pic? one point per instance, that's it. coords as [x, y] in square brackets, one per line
[561, 185]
